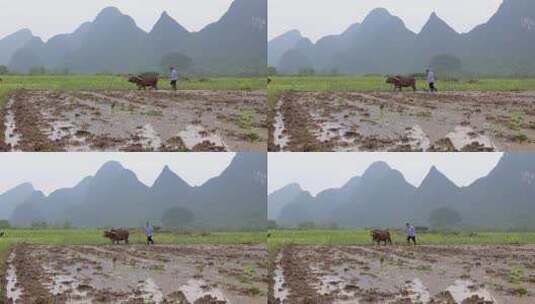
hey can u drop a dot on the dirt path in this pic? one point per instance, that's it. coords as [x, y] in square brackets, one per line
[134, 121]
[136, 274]
[447, 121]
[423, 274]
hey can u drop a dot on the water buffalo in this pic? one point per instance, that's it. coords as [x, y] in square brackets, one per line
[145, 80]
[117, 235]
[400, 82]
[381, 236]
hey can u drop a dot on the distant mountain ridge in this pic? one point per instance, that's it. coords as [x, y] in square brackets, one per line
[113, 43]
[504, 199]
[382, 44]
[115, 197]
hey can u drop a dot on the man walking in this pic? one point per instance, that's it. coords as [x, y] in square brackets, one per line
[148, 233]
[430, 75]
[173, 76]
[411, 234]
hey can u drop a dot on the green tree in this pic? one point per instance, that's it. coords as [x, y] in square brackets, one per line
[444, 218]
[177, 218]
[3, 70]
[38, 70]
[177, 60]
[446, 63]
[272, 71]
[4, 224]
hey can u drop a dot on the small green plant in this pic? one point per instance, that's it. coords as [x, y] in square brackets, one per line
[252, 137]
[515, 275]
[246, 119]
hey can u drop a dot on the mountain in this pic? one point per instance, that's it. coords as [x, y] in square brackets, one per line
[281, 44]
[381, 44]
[280, 198]
[237, 197]
[10, 44]
[502, 200]
[113, 43]
[10, 199]
[114, 197]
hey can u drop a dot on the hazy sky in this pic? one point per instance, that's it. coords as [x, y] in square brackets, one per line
[51, 17]
[320, 171]
[50, 171]
[316, 19]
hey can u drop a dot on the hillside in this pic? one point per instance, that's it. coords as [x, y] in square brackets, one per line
[113, 43]
[114, 197]
[382, 44]
[382, 197]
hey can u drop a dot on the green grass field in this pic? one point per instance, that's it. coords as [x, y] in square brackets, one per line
[377, 83]
[280, 238]
[103, 82]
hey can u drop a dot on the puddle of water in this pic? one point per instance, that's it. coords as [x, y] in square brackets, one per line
[417, 291]
[150, 138]
[151, 293]
[418, 140]
[463, 289]
[463, 136]
[196, 289]
[195, 134]
[13, 292]
[280, 291]
[67, 283]
[61, 129]
[10, 136]
[279, 137]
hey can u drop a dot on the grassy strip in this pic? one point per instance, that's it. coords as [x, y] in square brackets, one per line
[106, 82]
[377, 83]
[281, 238]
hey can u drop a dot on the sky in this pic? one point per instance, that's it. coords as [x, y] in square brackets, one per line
[50, 171]
[319, 171]
[316, 19]
[51, 17]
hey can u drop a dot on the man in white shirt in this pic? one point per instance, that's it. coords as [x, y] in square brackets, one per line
[430, 75]
[148, 233]
[411, 234]
[173, 76]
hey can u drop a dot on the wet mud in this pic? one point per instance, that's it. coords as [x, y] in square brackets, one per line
[201, 121]
[403, 122]
[136, 274]
[389, 274]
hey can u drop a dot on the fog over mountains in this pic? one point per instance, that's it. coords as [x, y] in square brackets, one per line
[236, 199]
[504, 199]
[382, 44]
[113, 43]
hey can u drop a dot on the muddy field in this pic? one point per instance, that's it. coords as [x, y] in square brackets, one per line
[136, 274]
[425, 274]
[134, 121]
[448, 121]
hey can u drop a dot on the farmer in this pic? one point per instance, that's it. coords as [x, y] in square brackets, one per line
[411, 234]
[148, 233]
[430, 77]
[173, 76]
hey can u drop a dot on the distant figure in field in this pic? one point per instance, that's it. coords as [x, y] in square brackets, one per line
[411, 234]
[173, 76]
[430, 77]
[399, 82]
[149, 233]
[379, 236]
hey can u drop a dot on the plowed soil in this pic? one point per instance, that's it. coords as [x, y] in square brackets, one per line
[446, 121]
[136, 274]
[203, 121]
[390, 274]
